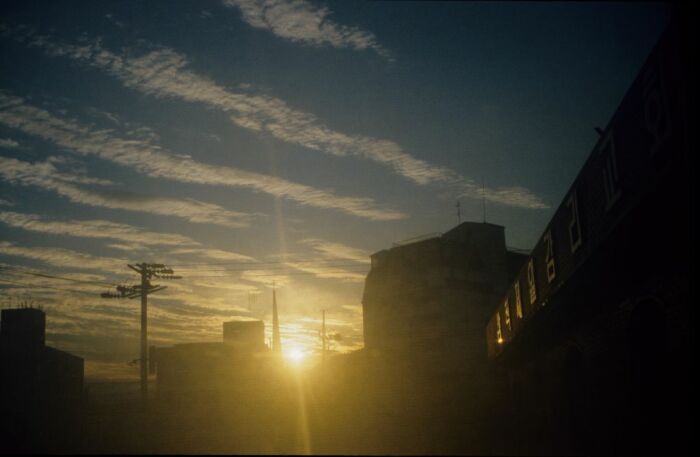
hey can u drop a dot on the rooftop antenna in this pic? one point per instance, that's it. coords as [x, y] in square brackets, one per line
[483, 196]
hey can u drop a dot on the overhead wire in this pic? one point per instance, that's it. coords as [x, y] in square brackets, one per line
[269, 268]
[298, 273]
[323, 261]
[39, 286]
[282, 267]
[43, 275]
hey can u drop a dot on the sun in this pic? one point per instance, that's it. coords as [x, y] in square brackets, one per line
[295, 355]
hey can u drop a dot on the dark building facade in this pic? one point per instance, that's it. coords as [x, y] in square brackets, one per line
[40, 386]
[239, 359]
[592, 341]
[433, 297]
[247, 335]
[31, 371]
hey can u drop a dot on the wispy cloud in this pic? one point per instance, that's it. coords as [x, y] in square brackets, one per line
[138, 240]
[328, 271]
[333, 250]
[64, 258]
[132, 239]
[8, 143]
[302, 22]
[102, 330]
[44, 175]
[86, 325]
[266, 277]
[211, 254]
[149, 158]
[93, 229]
[163, 73]
[227, 285]
[128, 247]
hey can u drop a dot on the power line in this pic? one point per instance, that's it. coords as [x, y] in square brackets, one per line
[275, 262]
[279, 274]
[37, 286]
[283, 267]
[273, 271]
[42, 275]
[45, 275]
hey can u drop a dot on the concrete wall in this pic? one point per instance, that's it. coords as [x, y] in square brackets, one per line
[435, 295]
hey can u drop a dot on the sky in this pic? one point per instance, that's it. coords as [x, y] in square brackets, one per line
[252, 142]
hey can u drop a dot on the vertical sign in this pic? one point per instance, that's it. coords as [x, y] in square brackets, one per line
[518, 300]
[532, 287]
[575, 237]
[611, 178]
[549, 256]
[499, 332]
[506, 313]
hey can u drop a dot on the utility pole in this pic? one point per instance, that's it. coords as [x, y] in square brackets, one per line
[147, 271]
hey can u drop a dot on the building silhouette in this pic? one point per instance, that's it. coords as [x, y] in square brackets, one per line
[31, 371]
[276, 339]
[246, 335]
[40, 386]
[432, 297]
[592, 341]
[212, 365]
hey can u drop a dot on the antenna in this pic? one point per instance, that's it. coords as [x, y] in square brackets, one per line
[459, 213]
[483, 196]
[276, 339]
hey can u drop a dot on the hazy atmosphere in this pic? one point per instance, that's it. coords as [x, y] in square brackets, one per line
[244, 143]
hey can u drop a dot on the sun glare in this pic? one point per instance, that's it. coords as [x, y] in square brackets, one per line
[295, 355]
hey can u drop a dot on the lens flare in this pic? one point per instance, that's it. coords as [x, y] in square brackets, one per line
[295, 355]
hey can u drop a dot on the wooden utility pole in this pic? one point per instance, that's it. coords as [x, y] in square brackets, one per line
[146, 271]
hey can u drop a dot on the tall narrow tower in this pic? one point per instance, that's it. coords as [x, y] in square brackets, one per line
[276, 341]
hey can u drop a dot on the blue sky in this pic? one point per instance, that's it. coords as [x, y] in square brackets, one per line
[290, 139]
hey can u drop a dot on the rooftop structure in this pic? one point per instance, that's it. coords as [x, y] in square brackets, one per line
[34, 376]
[434, 296]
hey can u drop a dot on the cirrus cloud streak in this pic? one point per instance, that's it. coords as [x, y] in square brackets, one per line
[163, 73]
[147, 157]
[300, 21]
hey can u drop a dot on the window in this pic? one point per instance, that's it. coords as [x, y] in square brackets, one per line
[518, 300]
[574, 223]
[549, 255]
[611, 178]
[532, 287]
[499, 332]
[506, 314]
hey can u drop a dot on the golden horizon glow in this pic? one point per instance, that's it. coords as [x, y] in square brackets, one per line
[295, 355]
